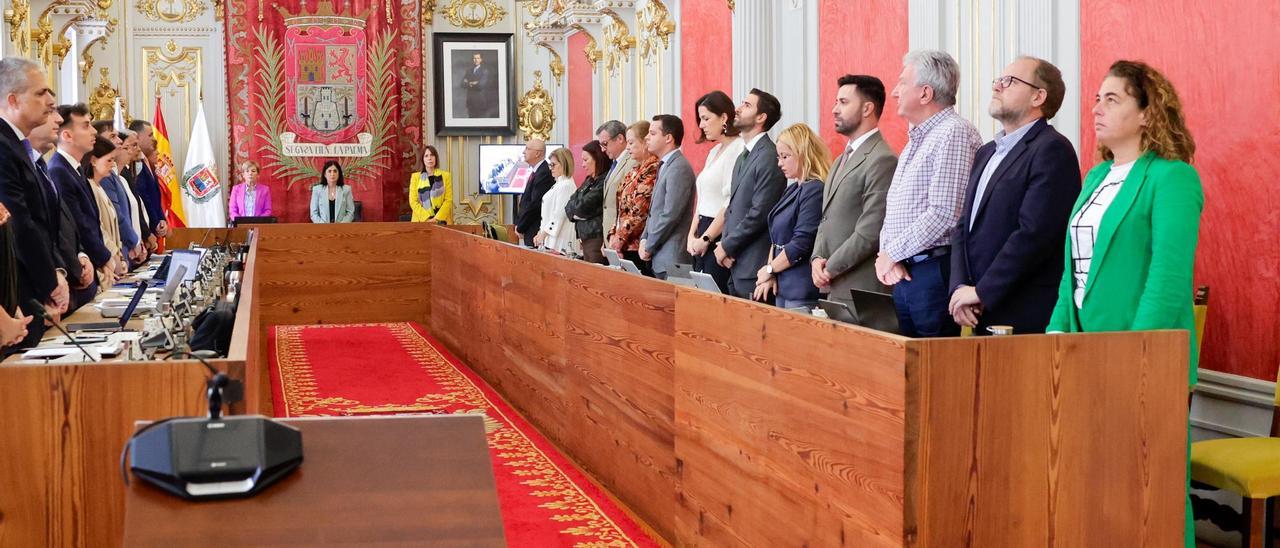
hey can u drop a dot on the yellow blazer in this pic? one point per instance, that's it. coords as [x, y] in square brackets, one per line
[439, 207]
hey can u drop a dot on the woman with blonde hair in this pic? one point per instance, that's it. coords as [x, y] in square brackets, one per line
[635, 196]
[431, 190]
[1131, 240]
[556, 232]
[793, 223]
[249, 198]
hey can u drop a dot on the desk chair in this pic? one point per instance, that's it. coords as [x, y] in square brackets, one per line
[358, 213]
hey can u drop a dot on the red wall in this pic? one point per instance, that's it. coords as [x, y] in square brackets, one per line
[1222, 60]
[581, 124]
[706, 35]
[868, 37]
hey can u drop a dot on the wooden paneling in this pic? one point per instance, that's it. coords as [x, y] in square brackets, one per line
[583, 351]
[182, 238]
[60, 440]
[1046, 440]
[343, 273]
[789, 429]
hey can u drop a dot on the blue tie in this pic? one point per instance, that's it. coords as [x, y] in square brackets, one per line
[38, 162]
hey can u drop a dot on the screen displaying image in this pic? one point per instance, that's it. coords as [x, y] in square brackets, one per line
[503, 170]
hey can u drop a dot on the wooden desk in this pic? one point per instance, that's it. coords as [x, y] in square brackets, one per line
[403, 481]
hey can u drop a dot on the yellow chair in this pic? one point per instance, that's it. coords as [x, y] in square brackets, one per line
[1249, 467]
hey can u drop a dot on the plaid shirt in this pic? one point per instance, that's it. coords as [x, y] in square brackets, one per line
[927, 194]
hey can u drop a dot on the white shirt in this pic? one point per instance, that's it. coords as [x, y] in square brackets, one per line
[853, 145]
[1084, 226]
[716, 178]
[75, 164]
[561, 235]
[752, 143]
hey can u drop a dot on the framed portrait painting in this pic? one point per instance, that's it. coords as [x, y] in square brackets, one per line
[474, 84]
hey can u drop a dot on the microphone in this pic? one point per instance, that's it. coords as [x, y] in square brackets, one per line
[220, 387]
[204, 238]
[40, 313]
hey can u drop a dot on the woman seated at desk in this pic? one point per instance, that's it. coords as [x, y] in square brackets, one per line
[431, 190]
[331, 200]
[249, 199]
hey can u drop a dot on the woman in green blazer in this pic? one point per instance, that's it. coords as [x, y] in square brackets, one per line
[1131, 240]
[331, 199]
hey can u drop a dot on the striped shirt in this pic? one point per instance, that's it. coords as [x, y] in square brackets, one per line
[927, 193]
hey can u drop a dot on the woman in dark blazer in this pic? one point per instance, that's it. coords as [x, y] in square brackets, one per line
[793, 223]
[1131, 239]
[586, 206]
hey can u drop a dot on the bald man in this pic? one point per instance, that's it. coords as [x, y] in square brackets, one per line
[529, 216]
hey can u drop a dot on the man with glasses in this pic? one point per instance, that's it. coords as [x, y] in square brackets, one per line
[1006, 251]
[529, 216]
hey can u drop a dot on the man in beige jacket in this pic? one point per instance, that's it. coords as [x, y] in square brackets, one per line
[613, 139]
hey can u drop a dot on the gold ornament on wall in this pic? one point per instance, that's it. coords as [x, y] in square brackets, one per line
[86, 65]
[594, 55]
[656, 27]
[619, 43]
[102, 101]
[16, 16]
[537, 115]
[474, 14]
[170, 11]
[428, 12]
[556, 65]
[536, 7]
[731, 4]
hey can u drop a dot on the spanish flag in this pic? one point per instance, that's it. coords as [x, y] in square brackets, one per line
[166, 174]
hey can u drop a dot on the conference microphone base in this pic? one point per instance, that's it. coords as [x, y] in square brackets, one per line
[207, 459]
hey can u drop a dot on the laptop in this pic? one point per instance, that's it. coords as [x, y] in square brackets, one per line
[704, 281]
[116, 326]
[870, 304]
[183, 257]
[837, 311]
[680, 270]
[170, 289]
[613, 258]
[628, 266]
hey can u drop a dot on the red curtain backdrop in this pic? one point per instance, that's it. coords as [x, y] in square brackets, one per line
[868, 37]
[706, 64]
[1222, 60]
[256, 59]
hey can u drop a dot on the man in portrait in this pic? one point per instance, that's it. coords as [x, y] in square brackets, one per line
[481, 89]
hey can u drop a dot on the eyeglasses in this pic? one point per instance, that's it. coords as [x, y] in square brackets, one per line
[1005, 81]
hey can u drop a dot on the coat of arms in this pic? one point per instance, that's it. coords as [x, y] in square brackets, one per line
[325, 84]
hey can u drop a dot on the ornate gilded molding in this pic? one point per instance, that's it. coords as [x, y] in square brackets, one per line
[428, 13]
[594, 55]
[155, 11]
[16, 16]
[86, 66]
[556, 65]
[656, 27]
[536, 111]
[619, 43]
[474, 14]
[102, 101]
[178, 69]
[731, 4]
[42, 39]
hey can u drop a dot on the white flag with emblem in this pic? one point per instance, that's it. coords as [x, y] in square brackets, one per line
[201, 193]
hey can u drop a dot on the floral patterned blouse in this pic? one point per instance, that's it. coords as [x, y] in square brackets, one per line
[634, 196]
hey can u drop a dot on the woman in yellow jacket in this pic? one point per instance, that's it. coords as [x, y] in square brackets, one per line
[431, 191]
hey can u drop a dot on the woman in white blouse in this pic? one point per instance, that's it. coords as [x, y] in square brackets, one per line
[715, 123]
[556, 232]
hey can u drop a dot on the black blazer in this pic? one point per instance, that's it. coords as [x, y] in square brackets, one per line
[793, 226]
[1013, 252]
[75, 191]
[529, 217]
[756, 187]
[28, 203]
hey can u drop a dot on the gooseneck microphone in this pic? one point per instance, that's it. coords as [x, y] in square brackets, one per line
[44, 316]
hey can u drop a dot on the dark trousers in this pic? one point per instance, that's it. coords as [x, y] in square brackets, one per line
[645, 267]
[922, 301]
[707, 262]
[591, 251]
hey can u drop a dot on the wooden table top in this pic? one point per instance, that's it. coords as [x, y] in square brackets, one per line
[387, 481]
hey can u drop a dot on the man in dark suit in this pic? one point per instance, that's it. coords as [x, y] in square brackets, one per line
[26, 102]
[529, 215]
[853, 202]
[482, 95]
[75, 139]
[672, 205]
[70, 255]
[145, 184]
[756, 186]
[1006, 254]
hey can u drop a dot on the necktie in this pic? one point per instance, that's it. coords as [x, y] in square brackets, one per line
[742, 158]
[38, 162]
[659, 172]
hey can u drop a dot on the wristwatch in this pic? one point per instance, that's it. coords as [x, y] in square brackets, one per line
[768, 269]
[706, 239]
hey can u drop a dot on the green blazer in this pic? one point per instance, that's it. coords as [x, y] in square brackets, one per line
[1141, 274]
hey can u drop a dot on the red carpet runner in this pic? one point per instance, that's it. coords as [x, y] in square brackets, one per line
[380, 369]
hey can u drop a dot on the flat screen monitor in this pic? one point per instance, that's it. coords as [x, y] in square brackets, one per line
[503, 170]
[248, 220]
[183, 257]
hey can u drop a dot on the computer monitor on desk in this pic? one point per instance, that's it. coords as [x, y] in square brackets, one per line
[183, 258]
[248, 220]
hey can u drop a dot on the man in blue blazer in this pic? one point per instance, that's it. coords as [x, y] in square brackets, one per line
[145, 184]
[1006, 252]
[672, 204]
[756, 187]
[75, 139]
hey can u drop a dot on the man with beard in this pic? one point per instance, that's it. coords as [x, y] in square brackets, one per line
[1006, 254]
